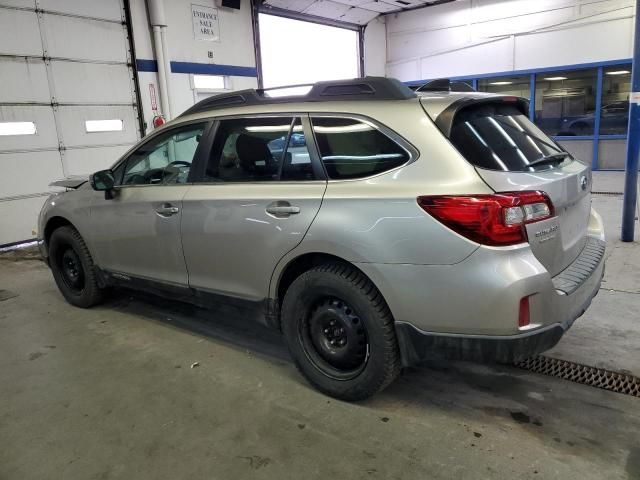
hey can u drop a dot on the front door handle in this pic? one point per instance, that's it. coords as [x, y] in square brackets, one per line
[166, 210]
[282, 209]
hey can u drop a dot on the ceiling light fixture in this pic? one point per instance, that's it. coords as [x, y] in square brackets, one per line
[555, 79]
[501, 83]
[618, 72]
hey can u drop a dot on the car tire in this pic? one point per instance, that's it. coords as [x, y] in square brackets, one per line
[73, 268]
[340, 332]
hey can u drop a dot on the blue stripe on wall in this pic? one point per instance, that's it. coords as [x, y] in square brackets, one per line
[147, 65]
[213, 69]
[144, 65]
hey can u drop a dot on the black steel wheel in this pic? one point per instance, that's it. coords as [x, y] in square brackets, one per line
[73, 269]
[335, 339]
[70, 265]
[340, 332]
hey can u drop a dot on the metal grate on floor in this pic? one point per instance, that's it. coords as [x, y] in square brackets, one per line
[610, 194]
[575, 372]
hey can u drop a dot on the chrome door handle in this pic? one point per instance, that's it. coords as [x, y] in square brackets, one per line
[282, 209]
[167, 210]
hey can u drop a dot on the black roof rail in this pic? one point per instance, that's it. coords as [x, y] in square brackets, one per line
[366, 88]
[444, 85]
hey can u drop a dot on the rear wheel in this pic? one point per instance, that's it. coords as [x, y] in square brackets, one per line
[73, 269]
[340, 332]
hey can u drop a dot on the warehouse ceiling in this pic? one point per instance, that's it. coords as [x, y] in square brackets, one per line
[359, 12]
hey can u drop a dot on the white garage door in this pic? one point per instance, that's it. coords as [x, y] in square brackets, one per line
[62, 64]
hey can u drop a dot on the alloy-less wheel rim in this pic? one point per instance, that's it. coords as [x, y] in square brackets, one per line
[71, 269]
[335, 339]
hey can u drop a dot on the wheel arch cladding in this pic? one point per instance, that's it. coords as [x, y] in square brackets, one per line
[302, 263]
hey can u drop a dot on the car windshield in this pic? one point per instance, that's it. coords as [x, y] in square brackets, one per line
[499, 137]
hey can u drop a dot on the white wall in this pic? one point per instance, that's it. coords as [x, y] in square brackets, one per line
[469, 37]
[375, 47]
[235, 48]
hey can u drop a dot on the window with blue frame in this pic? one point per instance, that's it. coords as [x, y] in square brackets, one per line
[565, 102]
[614, 113]
[516, 85]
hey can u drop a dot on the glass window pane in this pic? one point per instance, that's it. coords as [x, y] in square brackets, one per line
[565, 102]
[499, 137]
[616, 84]
[296, 163]
[248, 150]
[517, 86]
[354, 149]
[164, 160]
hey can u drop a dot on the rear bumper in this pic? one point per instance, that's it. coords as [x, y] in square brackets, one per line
[417, 345]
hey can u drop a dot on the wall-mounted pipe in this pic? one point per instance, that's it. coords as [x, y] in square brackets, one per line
[158, 22]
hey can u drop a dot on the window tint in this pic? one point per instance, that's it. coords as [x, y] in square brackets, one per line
[352, 148]
[259, 149]
[296, 164]
[500, 137]
[565, 102]
[166, 159]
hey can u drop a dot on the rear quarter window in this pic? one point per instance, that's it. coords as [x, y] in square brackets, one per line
[352, 148]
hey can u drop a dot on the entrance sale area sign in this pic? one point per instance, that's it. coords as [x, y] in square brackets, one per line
[205, 23]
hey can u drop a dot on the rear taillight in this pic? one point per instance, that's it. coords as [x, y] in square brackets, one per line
[495, 220]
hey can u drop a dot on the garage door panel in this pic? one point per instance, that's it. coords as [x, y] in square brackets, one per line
[85, 77]
[99, 83]
[19, 218]
[85, 39]
[45, 136]
[84, 161]
[28, 172]
[90, 8]
[19, 32]
[20, 3]
[74, 131]
[23, 80]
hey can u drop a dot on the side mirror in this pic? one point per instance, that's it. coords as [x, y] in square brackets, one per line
[103, 181]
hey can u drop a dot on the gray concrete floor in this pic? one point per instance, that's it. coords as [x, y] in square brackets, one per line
[110, 393]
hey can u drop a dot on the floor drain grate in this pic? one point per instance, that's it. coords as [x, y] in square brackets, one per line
[610, 194]
[575, 372]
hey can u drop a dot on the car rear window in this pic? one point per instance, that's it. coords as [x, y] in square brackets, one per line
[497, 136]
[353, 148]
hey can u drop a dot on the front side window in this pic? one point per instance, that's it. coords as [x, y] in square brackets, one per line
[496, 136]
[259, 150]
[166, 159]
[354, 148]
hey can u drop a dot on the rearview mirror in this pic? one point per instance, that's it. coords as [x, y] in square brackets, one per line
[103, 181]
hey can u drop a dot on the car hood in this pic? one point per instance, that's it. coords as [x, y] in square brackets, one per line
[74, 181]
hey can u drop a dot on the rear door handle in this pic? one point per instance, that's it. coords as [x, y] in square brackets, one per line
[282, 209]
[166, 210]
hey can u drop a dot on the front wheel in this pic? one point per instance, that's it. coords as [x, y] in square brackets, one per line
[340, 332]
[73, 269]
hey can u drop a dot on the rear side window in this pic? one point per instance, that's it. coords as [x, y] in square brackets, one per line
[353, 148]
[500, 137]
[259, 150]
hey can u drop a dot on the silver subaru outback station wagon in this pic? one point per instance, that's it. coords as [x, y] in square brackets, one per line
[371, 224]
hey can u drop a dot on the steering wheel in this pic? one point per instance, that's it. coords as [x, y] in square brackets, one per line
[171, 176]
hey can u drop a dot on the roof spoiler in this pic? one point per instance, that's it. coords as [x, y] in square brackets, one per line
[443, 85]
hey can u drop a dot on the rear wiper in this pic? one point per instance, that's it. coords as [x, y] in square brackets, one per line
[554, 157]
